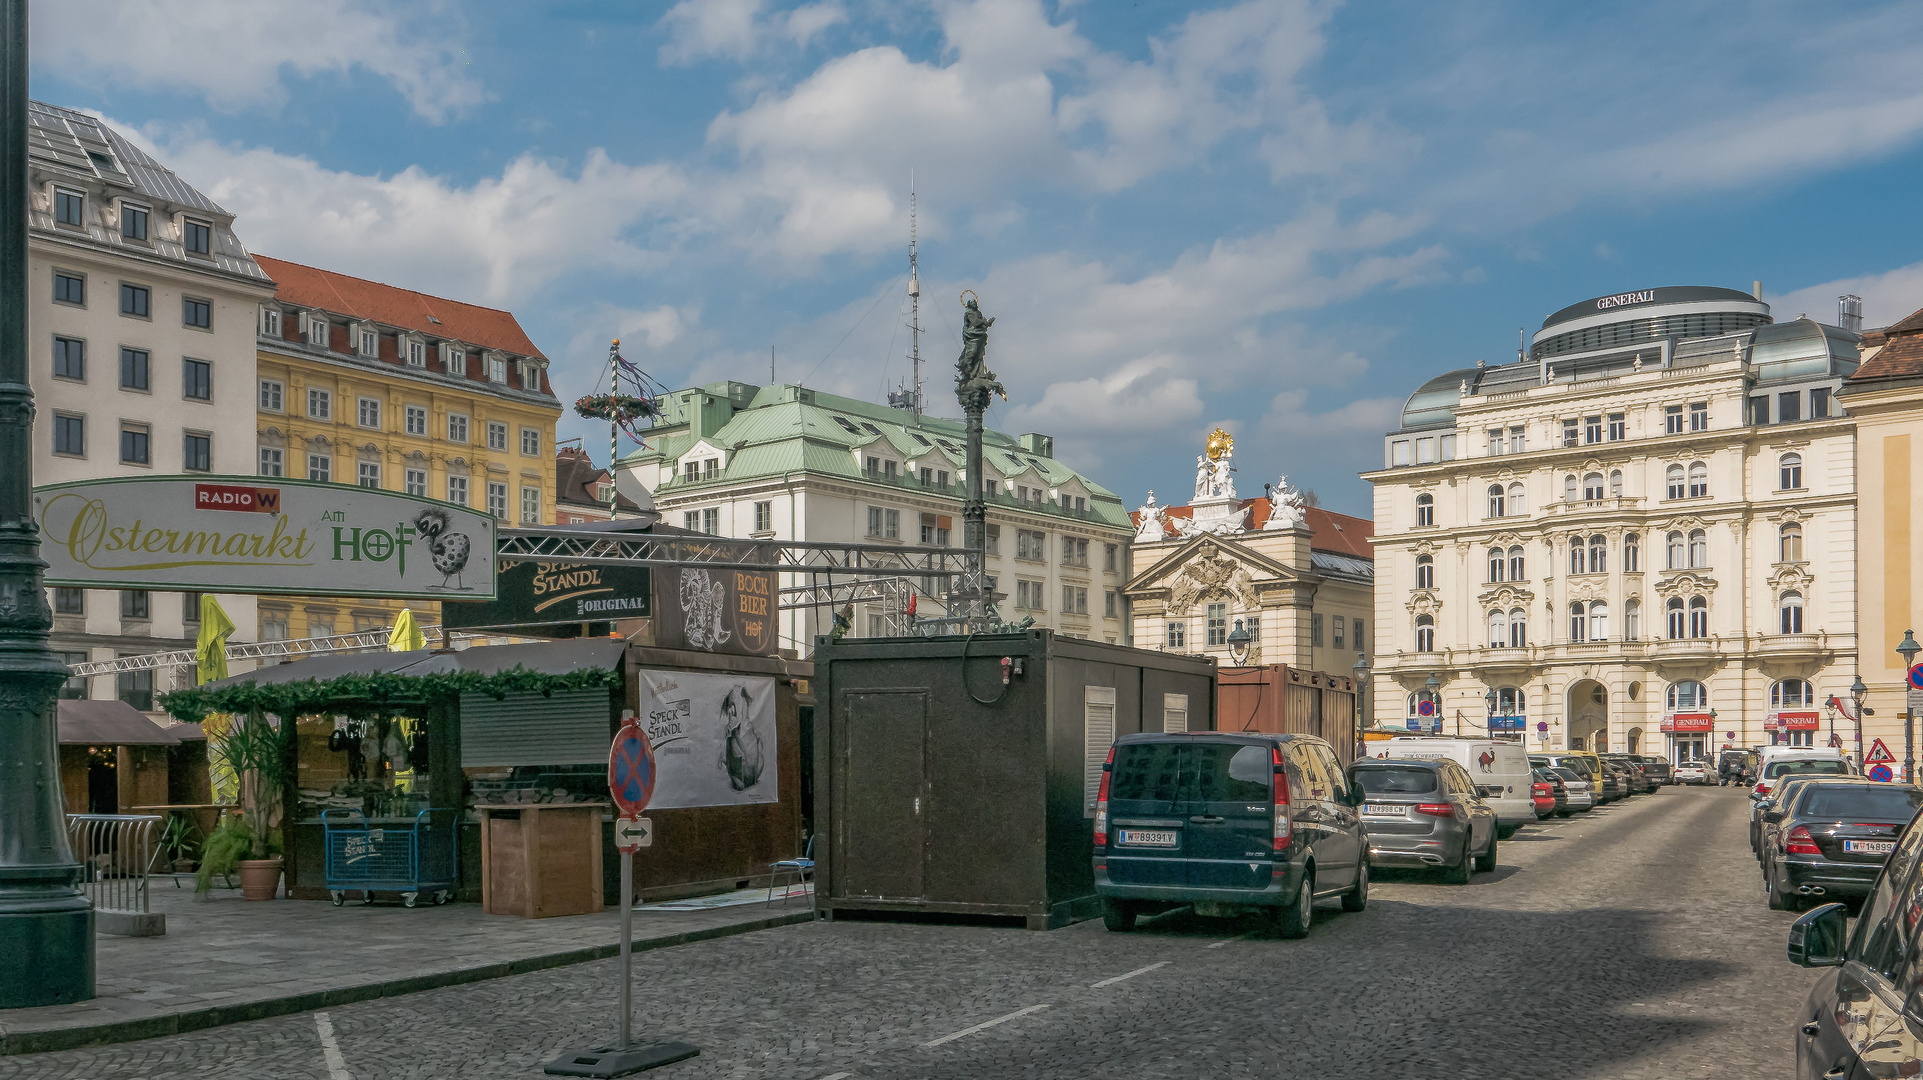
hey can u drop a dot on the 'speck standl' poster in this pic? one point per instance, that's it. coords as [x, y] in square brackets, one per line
[713, 738]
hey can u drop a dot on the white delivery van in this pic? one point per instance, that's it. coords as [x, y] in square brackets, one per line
[1500, 769]
[1773, 762]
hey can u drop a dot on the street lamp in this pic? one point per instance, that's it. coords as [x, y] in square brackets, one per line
[1858, 692]
[1238, 644]
[1361, 671]
[1435, 701]
[1908, 648]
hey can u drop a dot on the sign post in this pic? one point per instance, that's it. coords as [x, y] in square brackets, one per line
[631, 776]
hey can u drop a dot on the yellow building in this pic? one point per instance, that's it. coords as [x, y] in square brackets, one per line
[369, 384]
[1885, 396]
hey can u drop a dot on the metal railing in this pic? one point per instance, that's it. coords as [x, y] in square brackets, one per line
[117, 853]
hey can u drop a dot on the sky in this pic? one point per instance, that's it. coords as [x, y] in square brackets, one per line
[1276, 216]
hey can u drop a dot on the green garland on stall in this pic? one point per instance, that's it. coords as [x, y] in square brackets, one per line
[376, 694]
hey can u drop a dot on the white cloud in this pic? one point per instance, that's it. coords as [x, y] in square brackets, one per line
[234, 52]
[1887, 297]
[739, 29]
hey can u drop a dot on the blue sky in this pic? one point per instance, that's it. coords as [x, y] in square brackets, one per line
[1278, 216]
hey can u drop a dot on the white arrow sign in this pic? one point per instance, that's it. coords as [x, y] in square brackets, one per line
[633, 832]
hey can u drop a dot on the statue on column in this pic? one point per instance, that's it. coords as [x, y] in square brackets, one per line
[973, 381]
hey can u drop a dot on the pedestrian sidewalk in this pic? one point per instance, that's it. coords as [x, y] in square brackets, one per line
[225, 961]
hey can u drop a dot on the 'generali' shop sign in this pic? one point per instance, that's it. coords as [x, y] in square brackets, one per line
[249, 534]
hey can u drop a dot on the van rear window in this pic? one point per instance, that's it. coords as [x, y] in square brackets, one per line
[1146, 771]
[1395, 780]
[1819, 766]
[1191, 770]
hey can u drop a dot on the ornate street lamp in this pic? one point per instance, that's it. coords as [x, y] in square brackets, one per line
[1858, 692]
[1431, 688]
[1908, 648]
[1361, 672]
[1239, 644]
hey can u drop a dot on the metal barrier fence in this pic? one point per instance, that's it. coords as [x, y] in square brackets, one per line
[117, 853]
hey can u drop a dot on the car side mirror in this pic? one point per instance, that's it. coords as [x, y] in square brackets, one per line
[1357, 796]
[1816, 939]
[1773, 816]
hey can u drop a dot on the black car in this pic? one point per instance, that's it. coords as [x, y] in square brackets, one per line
[1859, 1019]
[1635, 779]
[1226, 823]
[1763, 804]
[1426, 812]
[1829, 840]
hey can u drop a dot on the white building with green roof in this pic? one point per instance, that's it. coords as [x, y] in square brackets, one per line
[789, 463]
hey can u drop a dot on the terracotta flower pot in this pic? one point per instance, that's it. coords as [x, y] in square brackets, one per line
[259, 878]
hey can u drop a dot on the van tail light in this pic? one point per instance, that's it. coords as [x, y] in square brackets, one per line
[1101, 803]
[1800, 842]
[1436, 809]
[1284, 821]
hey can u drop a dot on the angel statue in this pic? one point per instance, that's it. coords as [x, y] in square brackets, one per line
[1286, 508]
[973, 381]
[1204, 476]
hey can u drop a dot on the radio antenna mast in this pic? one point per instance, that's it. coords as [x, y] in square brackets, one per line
[910, 398]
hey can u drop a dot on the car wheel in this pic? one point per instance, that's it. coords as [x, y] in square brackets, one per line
[1775, 897]
[1293, 918]
[1486, 862]
[1358, 898]
[1459, 873]
[1118, 915]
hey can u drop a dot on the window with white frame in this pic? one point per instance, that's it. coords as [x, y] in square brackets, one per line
[320, 467]
[1177, 634]
[1791, 610]
[370, 474]
[1686, 697]
[1792, 694]
[1518, 629]
[456, 427]
[531, 441]
[416, 353]
[1698, 480]
[270, 395]
[1789, 472]
[530, 505]
[1632, 619]
[1674, 486]
[497, 371]
[1698, 549]
[1425, 572]
[457, 490]
[370, 343]
[1425, 510]
[370, 412]
[1425, 633]
[1790, 543]
[496, 436]
[272, 461]
[453, 359]
[1699, 616]
[317, 326]
[1517, 563]
[1496, 501]
[1498, 629]
[1632, 553]
[320, 404]
[416, 482]
[497, 500]
[1498, 563]
[416, 420]
[270, 321]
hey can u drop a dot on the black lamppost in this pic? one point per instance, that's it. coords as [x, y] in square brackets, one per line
[1908, 648]
[1431, 688]
[1361, 671]
[46, 925]
[1239, 644]
[1858, 692]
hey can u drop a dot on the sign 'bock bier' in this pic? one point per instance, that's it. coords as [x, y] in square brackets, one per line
[262, 534]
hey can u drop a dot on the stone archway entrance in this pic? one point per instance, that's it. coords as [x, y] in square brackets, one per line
[1587, 718]
[1634, 739]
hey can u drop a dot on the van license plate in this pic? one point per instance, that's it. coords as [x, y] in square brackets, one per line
[1385, 810]
[1870, 847]
[1148, 837]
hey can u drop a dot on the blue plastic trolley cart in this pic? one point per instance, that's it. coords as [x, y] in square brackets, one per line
[410, 857]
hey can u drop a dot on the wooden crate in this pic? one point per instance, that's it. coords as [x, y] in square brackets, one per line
[541, 860]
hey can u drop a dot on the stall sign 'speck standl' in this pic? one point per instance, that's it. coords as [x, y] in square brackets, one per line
[631, 784]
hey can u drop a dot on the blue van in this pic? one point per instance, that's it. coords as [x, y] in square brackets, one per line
[1227, 823]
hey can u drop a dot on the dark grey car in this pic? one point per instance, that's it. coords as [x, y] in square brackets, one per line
[1425, 812]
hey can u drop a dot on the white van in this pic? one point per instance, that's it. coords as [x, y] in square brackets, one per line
[1501, 771]
[1772, 762]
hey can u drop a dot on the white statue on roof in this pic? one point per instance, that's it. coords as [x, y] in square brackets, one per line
[1286, 509]
[1153, 521]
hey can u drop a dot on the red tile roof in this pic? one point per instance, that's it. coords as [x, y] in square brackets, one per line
[1328, 530]
[1901, 355]
[341, 294]
[575, 477]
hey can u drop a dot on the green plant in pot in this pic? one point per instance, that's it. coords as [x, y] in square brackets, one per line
[257, 752]
[178, 844]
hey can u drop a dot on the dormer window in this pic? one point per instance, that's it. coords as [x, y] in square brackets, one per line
[133, 222]
[269, 321]
[453, 358]
[313, 328]
[69, 208]
[369, 342]
[497, 370]
[197, 237]
[416, 352]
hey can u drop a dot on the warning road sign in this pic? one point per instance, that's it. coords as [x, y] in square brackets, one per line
[1878, 752]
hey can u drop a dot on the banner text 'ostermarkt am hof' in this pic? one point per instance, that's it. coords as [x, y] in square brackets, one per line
[262, 534]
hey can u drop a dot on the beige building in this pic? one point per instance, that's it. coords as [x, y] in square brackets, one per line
[1640, 537]
[1297, 579]
[1885, 397]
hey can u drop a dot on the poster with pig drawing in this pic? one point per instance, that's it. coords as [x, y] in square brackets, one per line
[713, 737]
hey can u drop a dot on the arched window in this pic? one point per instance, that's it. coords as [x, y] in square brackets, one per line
[1615, 483]
[1698, 549]
[1425, 633]
[1498, 629]
[1792, 694]
[1517, 504]
[1678, 618]
[1599, 620]
[1678, 554]
[1673, 482]
[1425, 572]
[1578, 622]
[1592, 485]
[1496, 564]
[1517, 564]
[1698, 617]
[1569, 488]
[1508, 701]
[1577, 559]
[1598, 554]
[1632, 553]
[1425, 510]
[1792, 612]
[1495, 500]
[1789, 472]
[1698, 480]
[1632, 619]
[1791, 545]
[1687, 697]
[1518, 628]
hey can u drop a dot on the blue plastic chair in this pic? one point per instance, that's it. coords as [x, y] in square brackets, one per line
[803, 869]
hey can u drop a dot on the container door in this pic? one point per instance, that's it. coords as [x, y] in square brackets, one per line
[879, 833]
[1148, 841]
[1229, 817]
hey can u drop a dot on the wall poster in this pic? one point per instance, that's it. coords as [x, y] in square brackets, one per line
[713, 738]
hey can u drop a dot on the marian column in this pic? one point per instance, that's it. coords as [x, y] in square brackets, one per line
[973, 385]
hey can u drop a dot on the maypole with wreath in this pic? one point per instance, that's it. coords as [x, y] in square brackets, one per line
[621, 409]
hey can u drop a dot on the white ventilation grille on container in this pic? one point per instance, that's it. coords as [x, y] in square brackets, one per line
[1175, 712]
[1098, 734]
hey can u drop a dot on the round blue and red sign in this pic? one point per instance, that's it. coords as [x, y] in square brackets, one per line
[1881, 774]
[1916, 677]
[631, 768]
[1425, 707]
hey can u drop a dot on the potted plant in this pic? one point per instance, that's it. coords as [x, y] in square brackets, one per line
[256, 751]
[178, 844]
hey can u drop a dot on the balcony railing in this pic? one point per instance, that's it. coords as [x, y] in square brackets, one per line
[1616, 504]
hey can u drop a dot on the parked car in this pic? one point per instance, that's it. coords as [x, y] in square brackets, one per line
[1558, 792]
[1586, 765]
[1830, 763]
[1830, 840]
[1578, 794]
[1501, 771]
[1762, 804]
[1543, 794]
[1857, 1020]
[1693, 772]
[1609, 784]
[1658, 769]
[1426, 812]
[1630, 771]
[1227, 823]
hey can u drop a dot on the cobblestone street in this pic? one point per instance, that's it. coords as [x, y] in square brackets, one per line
[1630, 942]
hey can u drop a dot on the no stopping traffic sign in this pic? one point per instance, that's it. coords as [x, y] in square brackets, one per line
[630, 767]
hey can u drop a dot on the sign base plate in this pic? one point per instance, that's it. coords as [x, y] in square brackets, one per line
[609, 1061]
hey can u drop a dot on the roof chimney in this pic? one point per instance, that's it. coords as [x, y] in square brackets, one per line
[1849, 313]
[1756, 289]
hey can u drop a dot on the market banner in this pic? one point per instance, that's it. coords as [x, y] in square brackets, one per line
[713, 738]
[710, 609]
[530, 593]
[261, 534]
